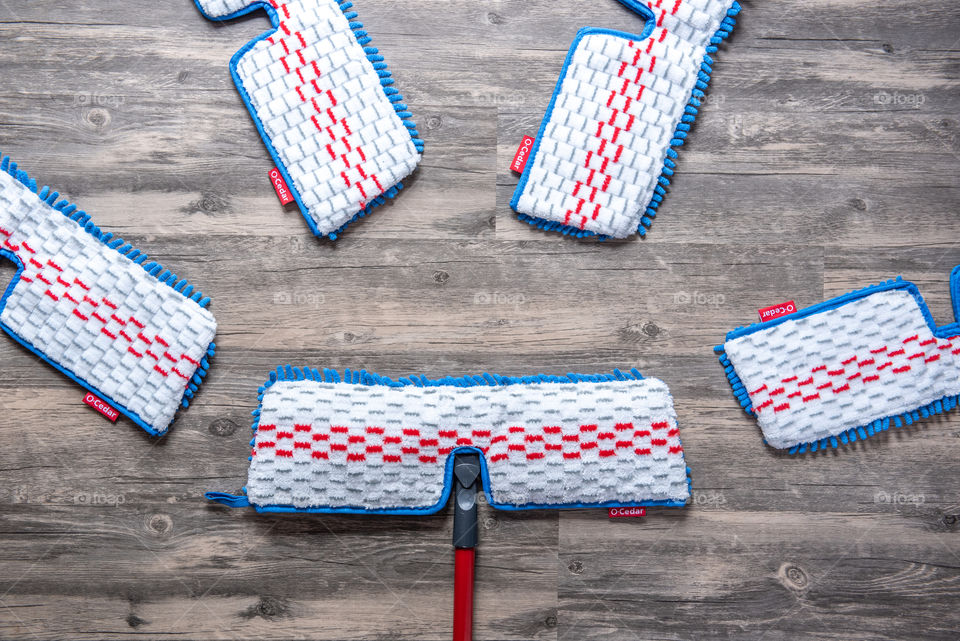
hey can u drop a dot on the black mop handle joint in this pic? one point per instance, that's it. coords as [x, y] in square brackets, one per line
[466, 475]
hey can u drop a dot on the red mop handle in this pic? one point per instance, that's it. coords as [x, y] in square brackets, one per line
[463, 594]
[466, 474]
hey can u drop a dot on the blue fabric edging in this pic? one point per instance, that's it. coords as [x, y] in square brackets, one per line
[82, 219]
[386, 82]
[363, 377]
[679, 137]
[863, 432]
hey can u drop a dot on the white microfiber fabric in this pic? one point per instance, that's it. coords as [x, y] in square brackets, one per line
[604, 152]
[90, 306]
[384, 446]
[844, 368]
[324, 103]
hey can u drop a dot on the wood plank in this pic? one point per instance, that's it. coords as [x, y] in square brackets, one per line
[825, 160]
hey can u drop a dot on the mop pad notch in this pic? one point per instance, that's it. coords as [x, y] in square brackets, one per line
[848, 368]
[323, 101]
[366, 444]
[623, 105]
[91, 305]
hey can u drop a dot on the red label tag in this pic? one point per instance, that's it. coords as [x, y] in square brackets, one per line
[626, 512]
[523, 154]
[280, 186]
[776, 311]
[97, 403]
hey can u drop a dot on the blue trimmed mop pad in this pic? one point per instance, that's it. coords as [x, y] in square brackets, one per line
[624, 103]
[324, 103]
[363, 443]
[846, 369]
[93, 307]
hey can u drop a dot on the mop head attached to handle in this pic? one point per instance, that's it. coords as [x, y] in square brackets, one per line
[624, 102]
[846, 369]
[325, 106]
[365, 443]
[93, 307]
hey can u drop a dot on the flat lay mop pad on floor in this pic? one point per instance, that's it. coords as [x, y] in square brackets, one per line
[363, 443]
[366, 444]
[324, 103]
[91, 306]
[847, 368]
[605, 152]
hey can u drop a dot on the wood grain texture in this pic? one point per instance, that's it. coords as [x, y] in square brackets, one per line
[826, 160]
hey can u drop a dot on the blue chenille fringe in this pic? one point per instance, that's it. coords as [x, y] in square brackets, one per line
[197, 379]
[393, 95]
[862, 432]
[386, 77]
[83, 220]
[679, 138]
[363, 377]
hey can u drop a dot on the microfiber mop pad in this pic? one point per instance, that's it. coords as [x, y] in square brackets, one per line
[847, 368]
[324, 103]
[364, 443]
[606, 148]
[90, 305]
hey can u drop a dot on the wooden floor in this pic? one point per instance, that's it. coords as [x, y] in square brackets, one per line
[826, 160]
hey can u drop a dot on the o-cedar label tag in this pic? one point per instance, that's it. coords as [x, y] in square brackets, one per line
[97, 403]
[523, 154]
[776, 311]
[280, 186]
[626, 512]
